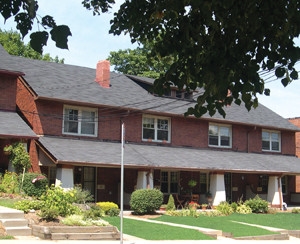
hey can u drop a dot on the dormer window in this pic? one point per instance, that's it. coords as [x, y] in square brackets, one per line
[80, 121]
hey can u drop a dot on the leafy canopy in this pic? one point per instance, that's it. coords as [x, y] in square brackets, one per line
[12, 43]
[225, 47]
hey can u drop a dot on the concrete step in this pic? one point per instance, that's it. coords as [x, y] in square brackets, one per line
[18, 231]
[11, 214]
[14, 222]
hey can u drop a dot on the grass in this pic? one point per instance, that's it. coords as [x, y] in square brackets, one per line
[152, 231]
[8, 202]
[219, 223]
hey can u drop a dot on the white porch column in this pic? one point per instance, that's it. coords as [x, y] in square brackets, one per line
[144, 180]
[217, 188]
[65, 177]
[274, 191]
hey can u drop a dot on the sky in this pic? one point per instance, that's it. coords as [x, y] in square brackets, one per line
[91, 42]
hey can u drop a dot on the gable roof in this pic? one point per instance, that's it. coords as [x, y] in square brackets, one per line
[97, 153]
[69, 83]
[11, 125]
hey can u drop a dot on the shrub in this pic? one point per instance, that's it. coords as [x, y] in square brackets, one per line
[257, 205]
[296, 210]
[27, 205]
[9, 183]
[95, 212]
[82, 196]
[146, 201]
[171, 204]
[19, 157]
[78, 220]
[234, 206]
[49, 214]
[34, 184]
[109, 208]
[225, 208]
[60, 200]
[243, 209]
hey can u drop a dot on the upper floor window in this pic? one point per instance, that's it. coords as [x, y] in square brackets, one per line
[156, 128]
[80, 121]
[270, 141]
[219, 135]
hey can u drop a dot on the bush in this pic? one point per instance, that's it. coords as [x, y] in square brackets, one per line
[243, 209]
[49, 214]
[60, 200]
[34, 184]
[82, 196]
[234, 206]
[171, 204]
[146, 201]
[296, 210]
[95, 212]
[9, 183]
[27, 205]
[109, 208]
[257, 205]
[225, 208]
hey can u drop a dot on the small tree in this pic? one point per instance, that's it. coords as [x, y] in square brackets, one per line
[19, 157]
[171, 204]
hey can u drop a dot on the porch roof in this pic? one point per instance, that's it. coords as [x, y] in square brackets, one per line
[108, 154]
[12, 126]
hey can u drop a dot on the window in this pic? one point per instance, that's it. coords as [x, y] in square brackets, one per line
[263, 183]
[219, 135]
[80, 121]
[203, 183]
[270, 141]
[169, 182]
[157, 129]
[284, 185]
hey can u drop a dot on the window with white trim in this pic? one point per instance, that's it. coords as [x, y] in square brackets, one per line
[80, 121]
[271, 141]
[169, 181]
[219, 135]
[156, 128]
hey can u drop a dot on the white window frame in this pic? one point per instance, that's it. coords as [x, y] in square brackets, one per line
[270, 132]
[80, 121]
[219, 126]
[156, 129]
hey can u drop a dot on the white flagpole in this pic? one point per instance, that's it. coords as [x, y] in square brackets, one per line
[122, 182]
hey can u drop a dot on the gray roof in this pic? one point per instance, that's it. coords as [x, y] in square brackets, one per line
[11, 125]
[77, 84]
[97, 153]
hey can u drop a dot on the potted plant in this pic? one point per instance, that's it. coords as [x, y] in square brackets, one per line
[203, 206]
[7, 149]
[163, 207]
[192, 183]
[193, 205]
[208, 196]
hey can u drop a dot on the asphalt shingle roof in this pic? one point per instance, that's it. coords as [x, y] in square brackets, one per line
[71, 83]
[12, 125]
[98, 153]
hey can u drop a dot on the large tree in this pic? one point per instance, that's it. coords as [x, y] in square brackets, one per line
[12, 43]
[218, 45]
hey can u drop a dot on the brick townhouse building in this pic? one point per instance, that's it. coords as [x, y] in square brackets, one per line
[78, 113]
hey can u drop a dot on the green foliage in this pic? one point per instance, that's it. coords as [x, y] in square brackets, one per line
[9, 183]
[234, 206]
[146, 201]
[82, 196]
[27, 205]
[107, 206]
[95, 212]
[49, 214]
[296, 210]
[60, 200]
[225, 208]
[171, 203]
[79, 220]
[34, 184]
[257, 205]
[13, 44]
[243, 209]
[19, 157]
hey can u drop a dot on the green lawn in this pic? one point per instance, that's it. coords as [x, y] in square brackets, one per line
[7, 202]
[151, 231]
[223, 223]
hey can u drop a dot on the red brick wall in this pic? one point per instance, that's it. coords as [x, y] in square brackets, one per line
[8, 93]
[296, 121]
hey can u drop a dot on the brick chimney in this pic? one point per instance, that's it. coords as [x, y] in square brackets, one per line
[103, 73]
